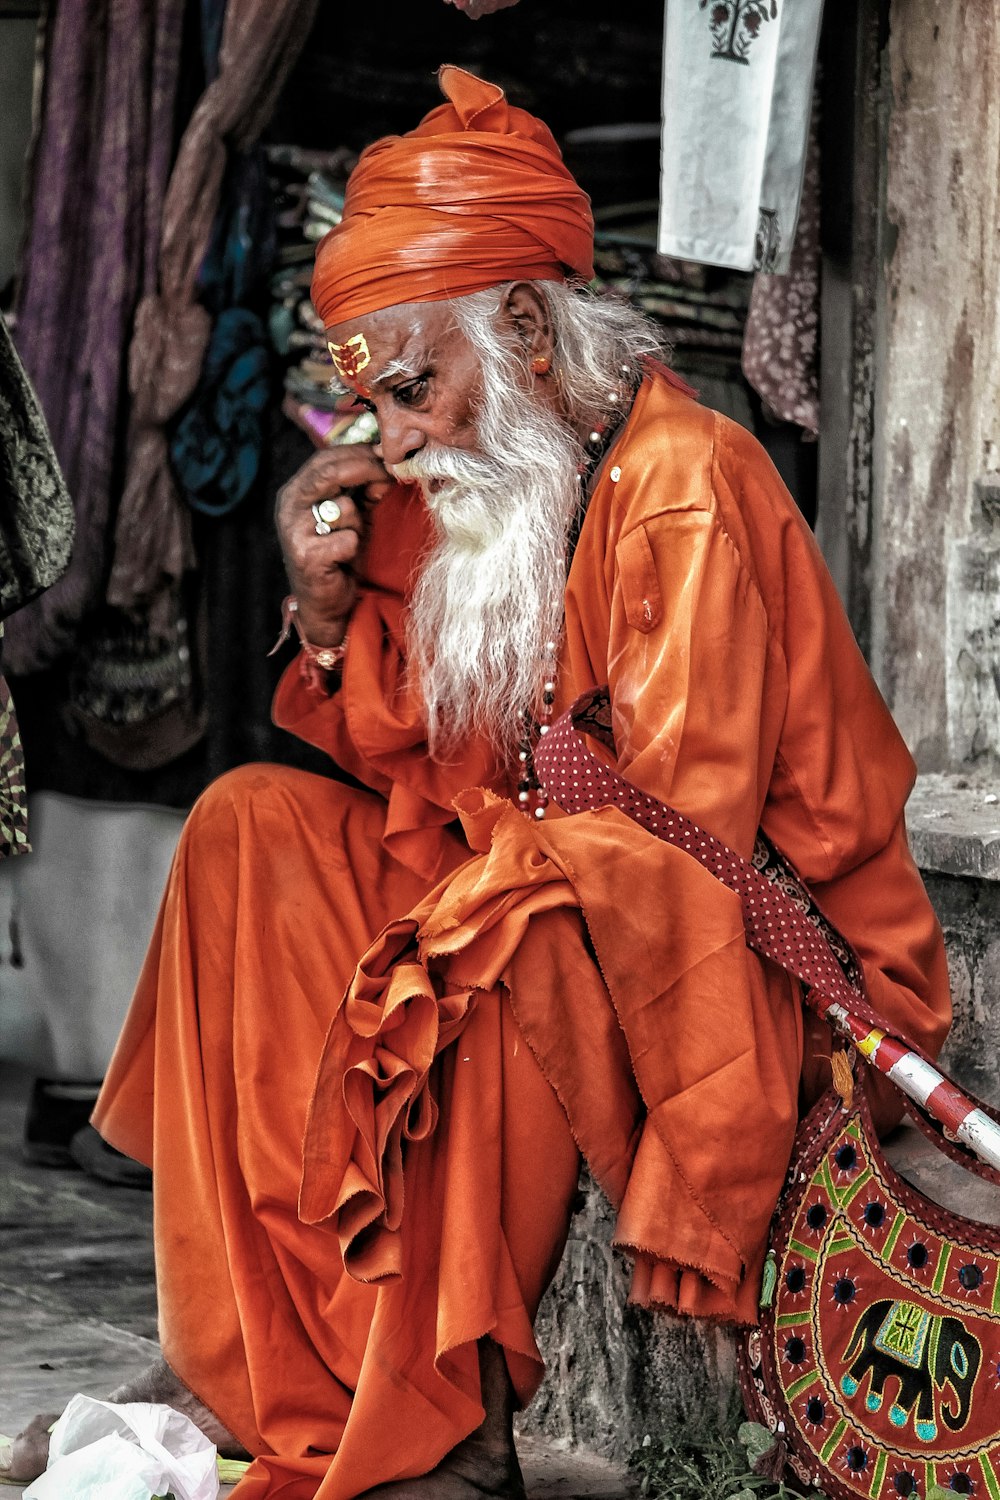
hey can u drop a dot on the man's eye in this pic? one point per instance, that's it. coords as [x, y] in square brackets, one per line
[364, 401]
[413, 392]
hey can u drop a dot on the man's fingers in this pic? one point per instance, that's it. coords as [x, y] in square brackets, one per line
[295, 506]
[340, 547]
[310, 557]
[319, 563]
[326, 474]
[347, 464]
[349, 519]
[300, 539]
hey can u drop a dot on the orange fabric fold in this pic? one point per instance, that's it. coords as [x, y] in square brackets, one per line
[372, 1094]
[476, 194]
[697, 1206]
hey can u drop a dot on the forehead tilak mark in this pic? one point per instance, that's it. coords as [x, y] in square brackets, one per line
[350, 357]
[414, 353]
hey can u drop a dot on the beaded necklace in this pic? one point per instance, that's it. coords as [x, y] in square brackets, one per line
[531, 795]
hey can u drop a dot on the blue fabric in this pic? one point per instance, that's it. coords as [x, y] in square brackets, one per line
[216, 443]
[213, 14]
[244, 237]
[215, 449]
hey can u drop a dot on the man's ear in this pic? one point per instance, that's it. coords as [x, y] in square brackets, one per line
[528, 313]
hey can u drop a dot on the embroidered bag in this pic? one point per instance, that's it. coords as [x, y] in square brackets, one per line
[877, 1361]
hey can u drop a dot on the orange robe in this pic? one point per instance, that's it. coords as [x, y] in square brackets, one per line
[497, 992]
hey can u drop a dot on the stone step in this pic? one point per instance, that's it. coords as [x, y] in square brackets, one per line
[944, 1181]
[953, 819]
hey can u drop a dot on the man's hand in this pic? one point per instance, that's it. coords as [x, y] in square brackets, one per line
[321, 568]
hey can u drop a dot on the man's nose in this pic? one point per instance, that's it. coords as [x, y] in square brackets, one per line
[398, 437]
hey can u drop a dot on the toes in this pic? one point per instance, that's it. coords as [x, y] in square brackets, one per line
[29, 1452]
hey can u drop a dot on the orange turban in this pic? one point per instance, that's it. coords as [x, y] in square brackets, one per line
[477, 194]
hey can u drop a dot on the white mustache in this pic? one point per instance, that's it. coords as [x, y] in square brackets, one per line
[448, 464]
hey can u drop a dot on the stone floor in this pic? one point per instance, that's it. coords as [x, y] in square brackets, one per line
[77, 1302]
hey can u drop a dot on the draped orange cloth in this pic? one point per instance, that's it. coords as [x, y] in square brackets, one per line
[475, 195]
[443, 1011]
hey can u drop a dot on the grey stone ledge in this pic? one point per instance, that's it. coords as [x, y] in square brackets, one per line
[987, 490]
[953, 819]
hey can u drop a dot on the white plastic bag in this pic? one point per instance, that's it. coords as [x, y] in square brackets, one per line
[100, 1451]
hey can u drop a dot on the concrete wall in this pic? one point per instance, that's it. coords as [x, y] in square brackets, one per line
[854, 115]
[969, 911]
[938, 389]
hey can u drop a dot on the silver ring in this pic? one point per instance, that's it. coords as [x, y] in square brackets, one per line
[325, 514]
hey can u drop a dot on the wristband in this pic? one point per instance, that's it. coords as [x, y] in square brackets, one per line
[314, 659]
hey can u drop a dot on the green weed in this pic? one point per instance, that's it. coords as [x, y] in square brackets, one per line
[710, 1464]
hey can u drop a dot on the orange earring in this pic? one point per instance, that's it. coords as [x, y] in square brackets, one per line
[541, 365]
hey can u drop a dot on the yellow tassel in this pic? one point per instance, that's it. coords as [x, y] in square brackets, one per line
[843, 1077]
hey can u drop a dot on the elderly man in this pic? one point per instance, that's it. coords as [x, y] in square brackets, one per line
[383, 1014]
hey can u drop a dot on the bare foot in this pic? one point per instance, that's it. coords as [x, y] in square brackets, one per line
[468, 1473]
[160, 1384]
[27, 1457]
[484, 1463]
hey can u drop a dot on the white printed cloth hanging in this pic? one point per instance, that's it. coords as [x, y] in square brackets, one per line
[737, 89]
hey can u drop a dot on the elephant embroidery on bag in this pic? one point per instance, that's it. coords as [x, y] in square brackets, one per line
[925, 1352]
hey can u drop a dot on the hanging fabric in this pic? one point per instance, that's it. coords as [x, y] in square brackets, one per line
[101, 157]
[737, 88]
[781, 338]
[36, 516]
[13, 808]
[36, 538]
[261, 40]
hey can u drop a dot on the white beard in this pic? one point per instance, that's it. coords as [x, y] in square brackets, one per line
[487, 608]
